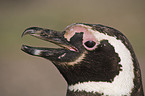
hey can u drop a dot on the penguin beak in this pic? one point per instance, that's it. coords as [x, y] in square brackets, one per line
[51, 36]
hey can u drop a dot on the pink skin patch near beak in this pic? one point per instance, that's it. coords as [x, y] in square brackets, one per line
[87, 35]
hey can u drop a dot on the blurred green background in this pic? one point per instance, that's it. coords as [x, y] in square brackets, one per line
[25, 75]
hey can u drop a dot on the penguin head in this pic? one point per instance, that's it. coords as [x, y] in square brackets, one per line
[92, 55]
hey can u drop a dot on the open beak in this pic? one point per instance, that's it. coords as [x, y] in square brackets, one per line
[51, 36]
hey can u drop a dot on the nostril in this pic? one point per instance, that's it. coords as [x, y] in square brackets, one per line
[43, 34]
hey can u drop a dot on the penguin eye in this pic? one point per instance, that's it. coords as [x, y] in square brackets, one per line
[90, 44]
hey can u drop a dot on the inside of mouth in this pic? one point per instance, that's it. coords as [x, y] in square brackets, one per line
[35, 42]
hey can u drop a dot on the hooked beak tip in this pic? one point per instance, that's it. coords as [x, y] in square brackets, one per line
[31, 30]
[28, 31]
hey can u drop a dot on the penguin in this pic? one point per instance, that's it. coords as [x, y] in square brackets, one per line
[94, 59]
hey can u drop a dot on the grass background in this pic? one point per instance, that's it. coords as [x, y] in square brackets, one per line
[25, 75]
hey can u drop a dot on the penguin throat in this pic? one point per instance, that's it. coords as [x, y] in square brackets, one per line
[101, 64]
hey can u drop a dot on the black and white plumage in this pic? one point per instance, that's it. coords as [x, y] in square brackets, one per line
[95, 60]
